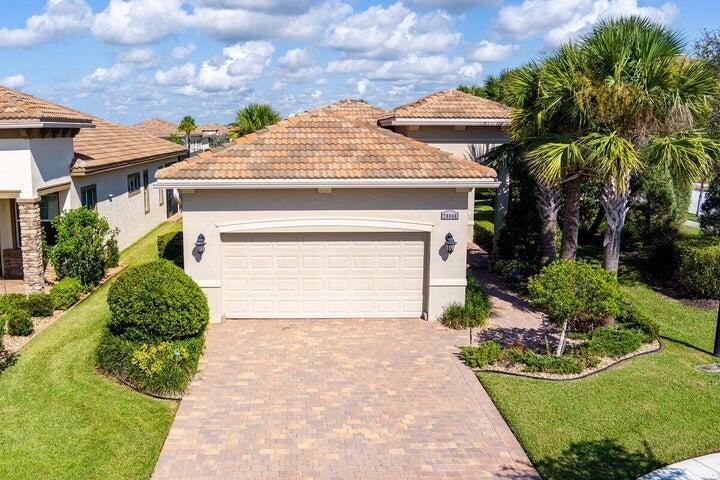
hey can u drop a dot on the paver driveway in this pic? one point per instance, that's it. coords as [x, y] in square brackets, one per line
[340, 399]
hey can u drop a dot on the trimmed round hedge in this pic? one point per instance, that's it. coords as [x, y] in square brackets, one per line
[156, 301]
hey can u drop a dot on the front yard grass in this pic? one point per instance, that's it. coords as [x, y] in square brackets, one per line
[629, 420]
[61, 419]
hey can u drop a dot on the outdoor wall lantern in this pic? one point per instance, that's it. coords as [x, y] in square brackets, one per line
[450, 243]
[200, 244]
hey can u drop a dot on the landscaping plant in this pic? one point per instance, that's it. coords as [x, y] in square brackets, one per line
[170, 247]
[575, 294]
[473, 314]
[84, 246]
[40, 305]
[66, 293]
[710, 210]
[19, 322]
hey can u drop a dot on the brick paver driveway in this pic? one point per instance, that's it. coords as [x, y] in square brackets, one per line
[340, 399]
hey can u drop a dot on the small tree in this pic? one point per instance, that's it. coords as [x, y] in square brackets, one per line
[710, 210]
[186, 126]
[576, 295]
[83, 247]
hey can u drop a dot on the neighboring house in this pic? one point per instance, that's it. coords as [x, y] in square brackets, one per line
[459, 123]
[199, 138]
[53, 158]
[326, 214]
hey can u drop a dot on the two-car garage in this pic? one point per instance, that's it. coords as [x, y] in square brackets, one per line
[323, 275]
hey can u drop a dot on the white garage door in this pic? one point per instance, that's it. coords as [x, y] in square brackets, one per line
[323, 275]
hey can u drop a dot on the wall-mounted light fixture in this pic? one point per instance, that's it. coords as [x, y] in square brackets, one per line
[450, 243]
[200, 244]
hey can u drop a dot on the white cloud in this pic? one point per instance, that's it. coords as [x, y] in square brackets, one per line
[239, 24]
[137, 22]
[454, 6]
[389, 33]
[181, 75]
[242, 64]
[353, 65]
[562, 20]
[419, 67]
[295, 58]
[492, 52]
[287, 6]
[361, 86]
[59, 19]
[143, 57]
[316, 94]
[103, 75]
[13, 81]
[181, 52]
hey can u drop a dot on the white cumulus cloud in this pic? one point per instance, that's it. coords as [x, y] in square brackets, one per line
[242, 64]
[59, 19]
[180, 75]
[181, 52]
[137, 22]
[143, 57]
[103, 75]
[492, 52]
[13, 81]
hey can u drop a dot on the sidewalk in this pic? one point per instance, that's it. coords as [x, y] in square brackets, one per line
[700, 468]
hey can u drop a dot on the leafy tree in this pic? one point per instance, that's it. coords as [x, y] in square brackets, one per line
[187, 125]
[252, 118]
[175, 138]
[710, 210]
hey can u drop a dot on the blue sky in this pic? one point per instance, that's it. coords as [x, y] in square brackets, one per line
[128, 60]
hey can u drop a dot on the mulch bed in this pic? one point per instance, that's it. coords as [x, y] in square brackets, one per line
[604, 364]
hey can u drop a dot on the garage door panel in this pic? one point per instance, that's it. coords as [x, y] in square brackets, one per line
[315, 275]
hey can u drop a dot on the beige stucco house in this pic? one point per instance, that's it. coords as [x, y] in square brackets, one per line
[329, 214]
[52, 159]
[199, 138]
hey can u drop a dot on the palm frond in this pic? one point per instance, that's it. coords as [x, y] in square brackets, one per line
[610, 154]
[552, 158]
[687, 155]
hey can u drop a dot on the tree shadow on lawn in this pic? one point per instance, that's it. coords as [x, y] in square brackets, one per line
[602, 459]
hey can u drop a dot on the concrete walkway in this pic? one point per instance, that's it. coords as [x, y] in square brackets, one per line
[338, 399]
[700, 468]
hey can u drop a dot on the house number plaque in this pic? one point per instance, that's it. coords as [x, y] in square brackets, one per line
[450, 215]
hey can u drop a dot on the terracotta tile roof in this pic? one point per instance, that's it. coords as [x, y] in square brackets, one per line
[109, 145]
[451, 103]
[211, 128]
[324, 145]
[157, 127]
[15, 106]
[359, 110]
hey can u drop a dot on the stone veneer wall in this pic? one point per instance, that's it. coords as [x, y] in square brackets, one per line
[30, 234]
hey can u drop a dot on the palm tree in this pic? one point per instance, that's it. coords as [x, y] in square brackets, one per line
[253, 117]
[631, 98]
[187, 125]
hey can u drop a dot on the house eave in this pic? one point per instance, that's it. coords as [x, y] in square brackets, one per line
[208, 184]
[6, 125]
[83, 172]
[445, 122]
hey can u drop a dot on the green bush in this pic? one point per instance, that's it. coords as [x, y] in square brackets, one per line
[476, 298]
[66, 293]
[483, 233]
[81, 248]
[2, 332]
[565, 365]
[631, 317]
[710, 211]
[514, 273]
[156, 301]
[170, 247]
[613, 341]
[12, 301]
[112, 252]
[160, 368]
[580, 293]
[697, 267]
[40, 305]
[19, 322]
[484, 354]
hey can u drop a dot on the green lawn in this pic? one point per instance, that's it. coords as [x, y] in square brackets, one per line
[621, 423]
[61, 419]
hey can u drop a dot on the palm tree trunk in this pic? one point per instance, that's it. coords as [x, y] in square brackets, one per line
[571, 220]
[187, 141]
[548, 206]
[615, 203]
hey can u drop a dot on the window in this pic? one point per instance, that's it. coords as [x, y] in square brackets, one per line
[88, 197]
[134, 183]
[49, 209]
[146, 191]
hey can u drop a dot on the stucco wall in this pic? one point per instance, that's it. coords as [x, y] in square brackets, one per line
[16, 166]
[204, 210]
[52, 158]
[124, 211]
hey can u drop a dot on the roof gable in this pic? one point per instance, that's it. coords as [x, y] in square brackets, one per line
[451, 104]
[18, 106]
[359, 110]
[323, 145]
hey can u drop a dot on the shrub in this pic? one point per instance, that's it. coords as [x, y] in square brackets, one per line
[160, 368]
[613, 341]
[579, 293]
[631, 317]
[66, 293]
[170, 247]
[19, 323]
[476, 298]
[697, 267]
[156, 301]
[483, 232]
[40, 305]
[484, 354]
[112, 252]
[81, 248]
[550, 364]
[2, 332]
[710, 210]
[514, 273]
[12, 301]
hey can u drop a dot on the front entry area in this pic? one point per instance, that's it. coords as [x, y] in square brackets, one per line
[324, 275]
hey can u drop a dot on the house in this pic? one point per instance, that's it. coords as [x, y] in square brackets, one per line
[327, 214]
[54, 158]
[199, 138]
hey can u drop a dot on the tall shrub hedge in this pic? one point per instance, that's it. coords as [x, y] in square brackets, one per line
[697, 267]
